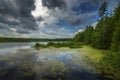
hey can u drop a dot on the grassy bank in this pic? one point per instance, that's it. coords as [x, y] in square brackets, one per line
[69, 44]
[106, 62]
[93, 54]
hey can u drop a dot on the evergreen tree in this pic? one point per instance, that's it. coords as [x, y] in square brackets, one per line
[103, 33]
[103, 9]
[116, 38]
[106, 34]
[79, 37]
[115, 45]
[88, 33]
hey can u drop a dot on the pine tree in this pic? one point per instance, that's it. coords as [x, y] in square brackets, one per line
[103, 9]
[116, 34]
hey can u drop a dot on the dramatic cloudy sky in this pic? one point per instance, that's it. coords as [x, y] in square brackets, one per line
[48, 18]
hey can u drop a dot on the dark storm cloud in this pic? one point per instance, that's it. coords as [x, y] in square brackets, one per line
[40, 18]
[5, 20]
[18, 13]
[76, 12]
[26, 6]
[51, 4]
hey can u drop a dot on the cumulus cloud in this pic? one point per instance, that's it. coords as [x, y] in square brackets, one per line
[49, 18]
[52, 4]
[17, 14]
[75, 12]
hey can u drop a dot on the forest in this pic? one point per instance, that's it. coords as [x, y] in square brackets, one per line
[9, 39]
[106, 34]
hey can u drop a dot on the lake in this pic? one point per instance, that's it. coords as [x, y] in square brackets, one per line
[19, 61]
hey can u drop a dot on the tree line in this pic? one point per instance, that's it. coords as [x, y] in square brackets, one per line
[106, 34]
[7, 39]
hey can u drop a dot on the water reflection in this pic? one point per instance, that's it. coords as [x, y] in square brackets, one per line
[9, 48]
[46, 64]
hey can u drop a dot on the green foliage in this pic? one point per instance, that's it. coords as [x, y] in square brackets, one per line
[64, 44]
[88, 35]
[103, 33]
[116, 38]
[106, 62]
[103, 9]
[85, 36]
[58, 45]
[106, 34]
[110, 66]
[79, 37]
[38, 46]
[115, 45]
[7, 39]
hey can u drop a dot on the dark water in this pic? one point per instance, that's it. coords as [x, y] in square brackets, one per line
[18, 61]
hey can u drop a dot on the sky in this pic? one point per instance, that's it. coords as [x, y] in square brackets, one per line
[49, 18]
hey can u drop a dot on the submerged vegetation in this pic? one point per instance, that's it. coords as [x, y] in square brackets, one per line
[106, 62]
[58, 45]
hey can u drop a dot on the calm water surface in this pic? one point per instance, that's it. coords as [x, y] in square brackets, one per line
[19, 61]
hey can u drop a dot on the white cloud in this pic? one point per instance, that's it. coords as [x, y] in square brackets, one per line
[94, 24]
[13, 29]
[47, 27]
[79, 30]
[49, 17]
[40, 10]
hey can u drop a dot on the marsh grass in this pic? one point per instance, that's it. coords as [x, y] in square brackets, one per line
[106, 62]
[58, 45]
